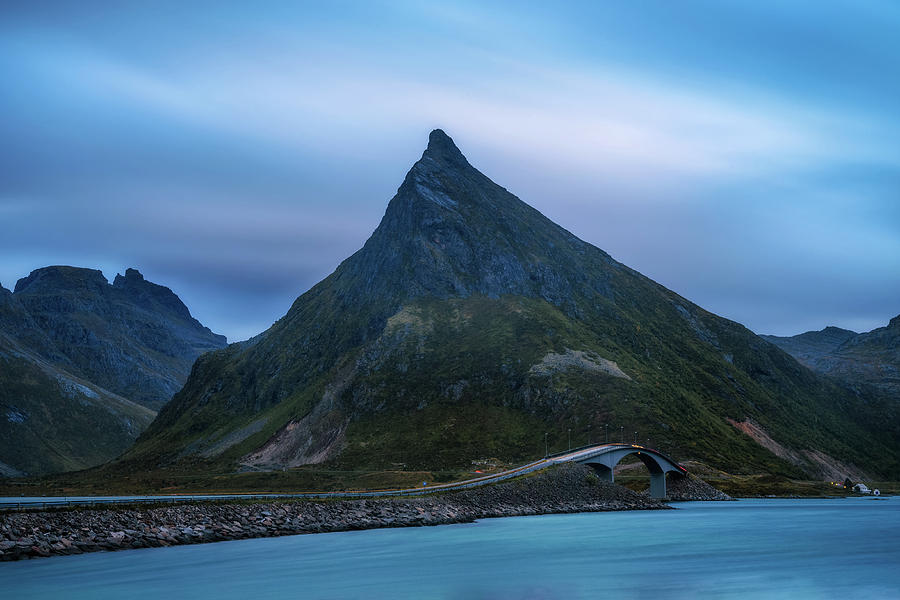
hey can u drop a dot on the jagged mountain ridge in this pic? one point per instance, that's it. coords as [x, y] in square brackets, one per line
[74, 352]
[467, 326]
[870, 358]
[132, 337]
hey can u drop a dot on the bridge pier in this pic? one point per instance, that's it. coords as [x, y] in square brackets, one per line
[657, 480]
[658, 485]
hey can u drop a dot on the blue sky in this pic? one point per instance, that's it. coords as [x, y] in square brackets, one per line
[745, 155]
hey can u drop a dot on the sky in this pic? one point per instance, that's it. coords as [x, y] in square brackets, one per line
[743, 154]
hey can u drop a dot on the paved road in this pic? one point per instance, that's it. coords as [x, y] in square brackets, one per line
[15, 503]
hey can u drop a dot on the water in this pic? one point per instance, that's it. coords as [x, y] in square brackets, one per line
[848, 548]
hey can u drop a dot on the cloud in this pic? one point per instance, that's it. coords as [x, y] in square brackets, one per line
[601, 115]
[600, 118]
[259, 148]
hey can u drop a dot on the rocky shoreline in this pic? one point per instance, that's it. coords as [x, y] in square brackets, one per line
[565, 489]
[692, 488]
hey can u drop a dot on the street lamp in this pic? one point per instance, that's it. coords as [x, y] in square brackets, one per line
[606, 431]
[622, 434]
[570, 437]
[546, 447]
[635, 437]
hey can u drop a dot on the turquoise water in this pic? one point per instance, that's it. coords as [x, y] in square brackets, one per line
[848, 548]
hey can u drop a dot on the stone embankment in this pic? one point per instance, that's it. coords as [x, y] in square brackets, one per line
[692, 488]
[565, 489]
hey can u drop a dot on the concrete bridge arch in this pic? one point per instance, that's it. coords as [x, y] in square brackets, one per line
[605, 458]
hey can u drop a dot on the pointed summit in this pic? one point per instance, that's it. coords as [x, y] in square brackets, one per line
[452, 232]
[441, 148]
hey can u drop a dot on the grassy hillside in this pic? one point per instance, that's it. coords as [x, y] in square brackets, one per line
[51, 421]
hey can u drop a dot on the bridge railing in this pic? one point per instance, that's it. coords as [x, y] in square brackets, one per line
[622, 445]
[564, 452]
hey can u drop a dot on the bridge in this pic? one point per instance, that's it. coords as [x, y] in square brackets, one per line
[601, 457]
[604, 459]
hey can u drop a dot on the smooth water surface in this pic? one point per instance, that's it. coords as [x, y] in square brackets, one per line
[842, 548]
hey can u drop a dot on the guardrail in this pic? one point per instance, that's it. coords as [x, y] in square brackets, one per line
[87, 502]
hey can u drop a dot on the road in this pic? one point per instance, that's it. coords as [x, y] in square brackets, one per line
[18, 503]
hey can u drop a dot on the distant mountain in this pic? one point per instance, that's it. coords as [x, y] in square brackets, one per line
[134, 337]
[871, 358]
[471, 326]
[83, 365]
[811, 346]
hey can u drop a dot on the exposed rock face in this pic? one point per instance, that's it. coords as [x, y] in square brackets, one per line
[450, 232]
[855, 358]
[469, 325]
[815, 463]
[74, 352]
[576, 359]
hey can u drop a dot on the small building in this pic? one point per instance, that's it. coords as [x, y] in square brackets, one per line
[861, 488]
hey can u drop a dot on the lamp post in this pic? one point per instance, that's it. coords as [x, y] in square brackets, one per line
[569, 430]
[546, 447]
[606, 431]
[621, 434]
[635, 437]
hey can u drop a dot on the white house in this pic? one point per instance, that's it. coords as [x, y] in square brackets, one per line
[861, 488]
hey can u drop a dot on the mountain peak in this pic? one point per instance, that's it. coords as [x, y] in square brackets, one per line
[452, 232]
[441, 148]
[151, 296]
[446, 319]
[61, 277]
[132, 278]
[831, 329]
[133, 274]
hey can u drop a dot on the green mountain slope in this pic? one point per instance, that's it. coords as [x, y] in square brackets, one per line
[53, 421]
[468, 326]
